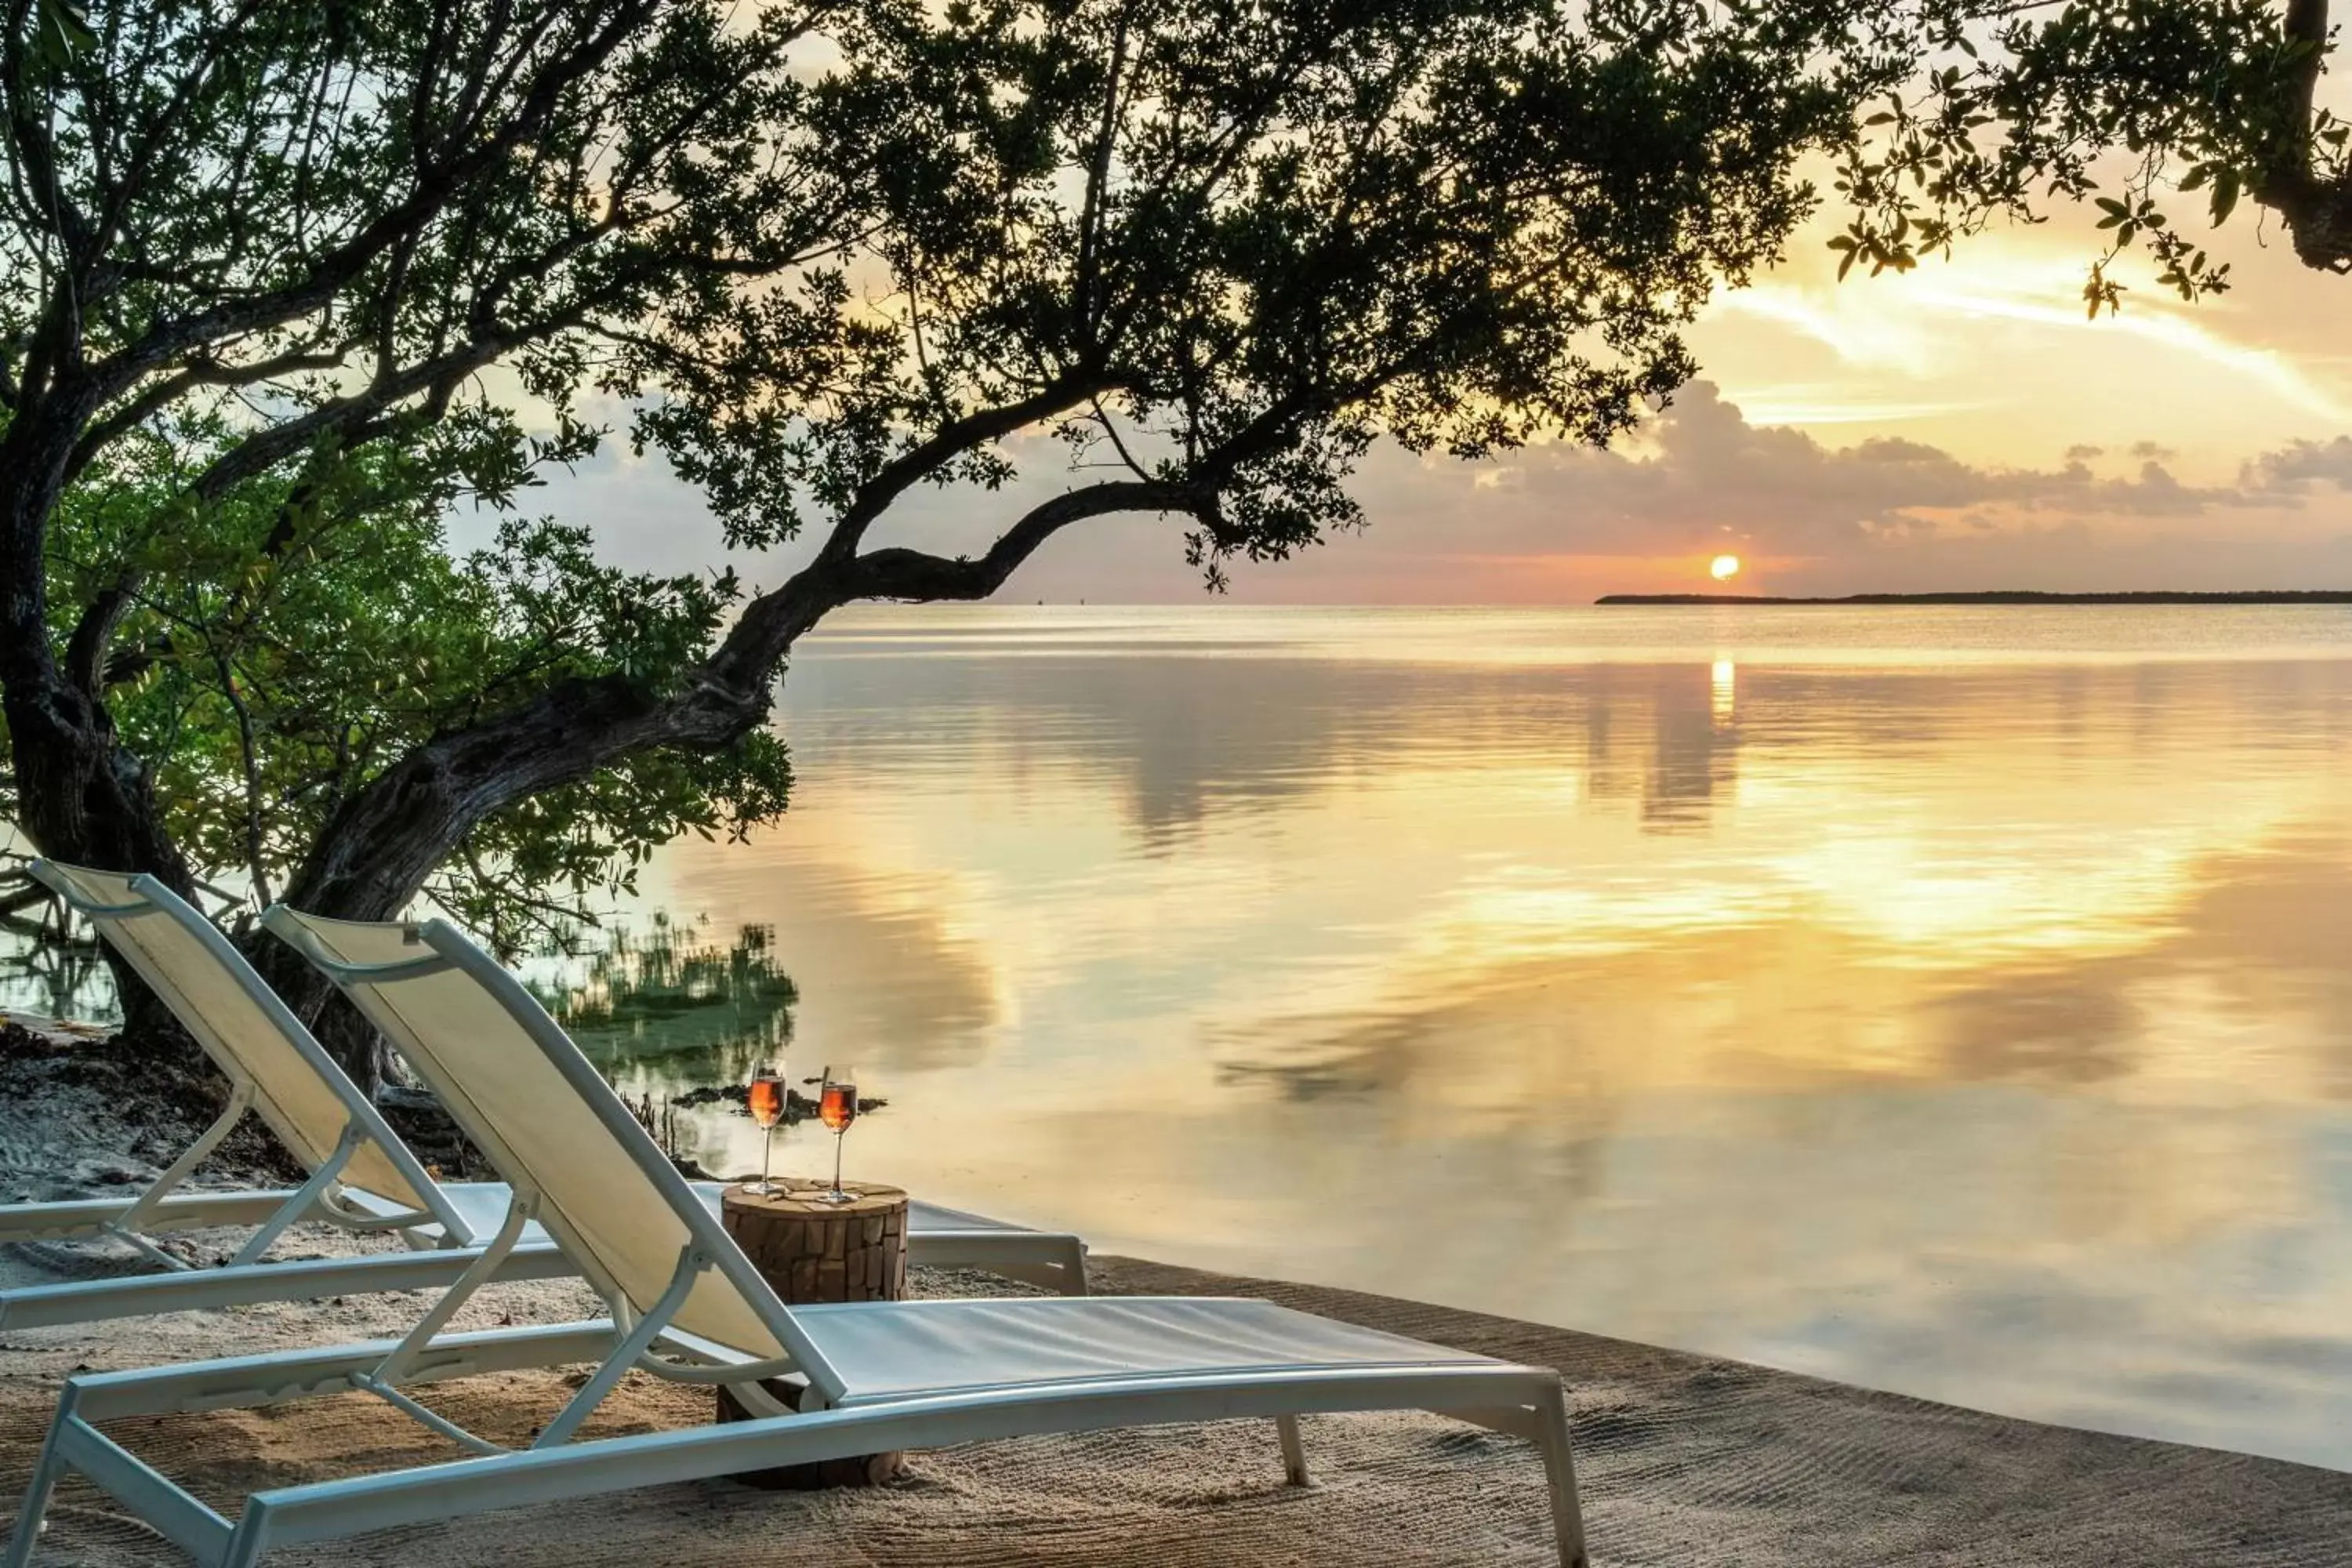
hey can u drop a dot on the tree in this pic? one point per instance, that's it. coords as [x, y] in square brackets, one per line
[289, 239]
[280, 646]
[2015, 104]
[1216, 247]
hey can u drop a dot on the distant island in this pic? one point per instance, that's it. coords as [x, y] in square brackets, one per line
[2003, 597]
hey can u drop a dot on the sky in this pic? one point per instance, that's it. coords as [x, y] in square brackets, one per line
[1960, 428]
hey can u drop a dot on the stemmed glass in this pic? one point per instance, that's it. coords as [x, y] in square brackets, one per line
[837, 1106]
[766, 1100]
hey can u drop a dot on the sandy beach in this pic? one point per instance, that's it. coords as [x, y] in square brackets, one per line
[1685, 1460]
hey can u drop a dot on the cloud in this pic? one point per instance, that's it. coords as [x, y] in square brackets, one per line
[2301, 466]
[1926, 328]
[1706, 470]
[1558, 523]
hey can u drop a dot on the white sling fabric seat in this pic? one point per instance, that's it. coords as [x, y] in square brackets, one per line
[687, 1305]
[921, 1348]
[275, 1071]
[363, 1176]
[296, 1088]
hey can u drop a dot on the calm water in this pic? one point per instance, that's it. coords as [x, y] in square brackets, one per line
[1954, 1002]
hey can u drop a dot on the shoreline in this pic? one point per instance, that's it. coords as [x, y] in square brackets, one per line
[1685, 1458]
[2001, 596]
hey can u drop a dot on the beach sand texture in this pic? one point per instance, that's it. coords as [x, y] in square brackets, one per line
[1685, 1461]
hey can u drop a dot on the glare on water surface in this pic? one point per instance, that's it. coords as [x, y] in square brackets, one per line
[1950, 1001]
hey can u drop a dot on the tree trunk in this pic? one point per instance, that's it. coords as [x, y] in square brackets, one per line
[372, 858]
[338, 1026]
[79, 796]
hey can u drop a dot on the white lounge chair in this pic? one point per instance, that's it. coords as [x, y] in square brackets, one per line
[363, 1177]
[687, 1305]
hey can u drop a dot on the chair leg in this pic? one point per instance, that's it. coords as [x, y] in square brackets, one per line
[247, 1546]
[1559, 1470]
[1293, 1452]
[29, 1520]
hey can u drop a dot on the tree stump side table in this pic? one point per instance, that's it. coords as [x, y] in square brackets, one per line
[813, 1252]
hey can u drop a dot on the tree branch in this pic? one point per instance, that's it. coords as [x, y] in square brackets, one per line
[1098, 192]
[356, 415]
[202, 371]
[384, 841]
[35, 154]
[434, 188]
[93, 634]
[949, 442]
[902, 573]
[2318, 212]
[257, 864]
[192, 88]
[2306, 24]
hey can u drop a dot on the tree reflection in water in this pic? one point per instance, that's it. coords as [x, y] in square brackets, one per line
[47, 969]
[669, 1009]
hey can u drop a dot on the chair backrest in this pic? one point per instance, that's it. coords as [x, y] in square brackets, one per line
[250, 1032]
[539, 1110]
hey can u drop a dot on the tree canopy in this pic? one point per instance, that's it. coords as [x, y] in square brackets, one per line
[280, 285]
[282, 644]
[2156, 113]
[274, 281]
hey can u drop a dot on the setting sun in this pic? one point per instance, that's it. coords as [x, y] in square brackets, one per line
[1723, 566]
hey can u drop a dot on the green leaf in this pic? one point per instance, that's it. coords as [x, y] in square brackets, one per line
[2225, 195]
[61, 30]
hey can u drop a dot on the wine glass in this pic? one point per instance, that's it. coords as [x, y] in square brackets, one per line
[837, 1106]
[765, 1099]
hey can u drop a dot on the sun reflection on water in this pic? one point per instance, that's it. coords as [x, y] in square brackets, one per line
[1952, 1002]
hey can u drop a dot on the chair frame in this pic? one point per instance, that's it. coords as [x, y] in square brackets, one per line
[442, 1243]
[830, 1422]
[1519, 1401]
[321, 1196]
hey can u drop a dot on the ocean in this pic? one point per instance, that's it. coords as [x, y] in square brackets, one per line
[1950, 1001]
